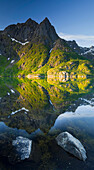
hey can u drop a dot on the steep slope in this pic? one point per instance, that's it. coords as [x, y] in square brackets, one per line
[84, 51]
[35, 54]
[33, 59]
[7, 47]
[63, 58]
[34, 48]
[22, 32]
[8, 52]
[32, 31]
[45, 33]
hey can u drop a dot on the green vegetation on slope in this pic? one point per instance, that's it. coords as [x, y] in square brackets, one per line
[36, 59]
[3, 64]
[33, 59]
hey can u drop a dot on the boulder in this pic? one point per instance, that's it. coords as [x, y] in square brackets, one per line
[71, 145]
[23, 147]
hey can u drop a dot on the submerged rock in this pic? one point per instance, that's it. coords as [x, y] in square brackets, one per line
[22, 146]
[71, 145]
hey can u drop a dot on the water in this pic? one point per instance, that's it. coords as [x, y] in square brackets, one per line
[40, 110]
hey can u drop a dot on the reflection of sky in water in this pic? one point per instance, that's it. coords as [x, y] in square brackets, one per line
[81, 111]
[83, 117]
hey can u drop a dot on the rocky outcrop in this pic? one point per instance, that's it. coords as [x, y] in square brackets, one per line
[32, 31]
[71, 145]
[21, 31]
[83, 51]
[62, 44]
[45, 32]
[6, 46]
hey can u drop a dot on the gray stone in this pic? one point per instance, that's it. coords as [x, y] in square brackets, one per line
[22, 146]
[21, 31]
[71, 145]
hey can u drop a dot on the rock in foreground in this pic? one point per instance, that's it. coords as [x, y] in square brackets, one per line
[71, 145]
[23, 147]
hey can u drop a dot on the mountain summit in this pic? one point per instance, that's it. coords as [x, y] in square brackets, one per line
[32, 48]
[45, 32]
[32, 31]
[21, 31]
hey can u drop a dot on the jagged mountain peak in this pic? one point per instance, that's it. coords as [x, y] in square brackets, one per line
[46, 20]
[21, 31]
[45, 32]
[84, 51]
[32, 31]
[30, 21]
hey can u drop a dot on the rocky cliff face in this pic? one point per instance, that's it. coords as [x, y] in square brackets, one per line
[45, 32]
[21, 32]
[35, 45]
[32, 31]
[6, 46]
[84, 51]
[62, 45]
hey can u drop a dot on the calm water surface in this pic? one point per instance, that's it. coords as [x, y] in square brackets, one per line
[39, 110]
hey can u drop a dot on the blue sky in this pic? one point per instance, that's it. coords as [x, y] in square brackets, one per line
[73, 19]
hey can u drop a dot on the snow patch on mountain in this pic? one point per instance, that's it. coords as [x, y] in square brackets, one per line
[12, 91]
[20, 110]
[12, 61]
[91, 50]
[13, 39]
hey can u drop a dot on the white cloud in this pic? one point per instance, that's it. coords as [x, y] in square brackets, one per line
[82, 40]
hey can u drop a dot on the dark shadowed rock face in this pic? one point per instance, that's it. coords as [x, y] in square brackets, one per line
[22, 31]
[6, 46]
[45, 32]
[13, 37]
[32, 31]
[71, 145]
[62, 44]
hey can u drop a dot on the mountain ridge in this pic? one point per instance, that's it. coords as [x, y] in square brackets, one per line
[38, 48]
[24, 31]
[34, 32]
[21, 31]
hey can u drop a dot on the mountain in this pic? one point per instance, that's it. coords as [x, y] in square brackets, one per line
[45, 32]
[21, 32]
[32, 31]
[32, 48]
[84, 51]
[7, 47]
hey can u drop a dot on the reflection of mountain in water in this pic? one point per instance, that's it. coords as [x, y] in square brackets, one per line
[30, 108]
[45, 100]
